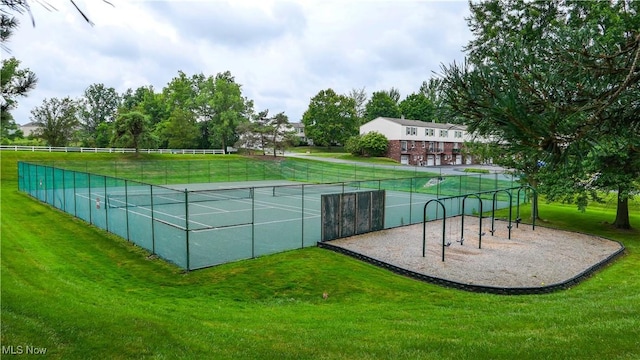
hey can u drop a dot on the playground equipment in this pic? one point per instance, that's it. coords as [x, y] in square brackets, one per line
[494, 194]
[480, 233]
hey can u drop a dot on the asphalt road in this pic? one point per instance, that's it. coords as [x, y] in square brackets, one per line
[442, 169]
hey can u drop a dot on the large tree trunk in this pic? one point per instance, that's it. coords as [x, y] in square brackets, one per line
[622, 212]
[535, 213]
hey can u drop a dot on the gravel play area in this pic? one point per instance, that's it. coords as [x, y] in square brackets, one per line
[534, 260]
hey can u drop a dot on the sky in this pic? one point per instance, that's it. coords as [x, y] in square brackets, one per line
[282, 53]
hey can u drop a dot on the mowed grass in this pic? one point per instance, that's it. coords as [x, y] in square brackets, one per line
[82, 293]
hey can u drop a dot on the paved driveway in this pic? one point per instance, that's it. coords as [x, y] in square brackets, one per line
[443, 169]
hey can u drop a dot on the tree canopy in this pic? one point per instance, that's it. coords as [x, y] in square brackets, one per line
[133, 130]
[15, 82]
[330, 119]
[546, 81]
[382, 104]
[57, 120]
[417, 107]
[98, 105]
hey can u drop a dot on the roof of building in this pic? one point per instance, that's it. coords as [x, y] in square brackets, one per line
[419, 123]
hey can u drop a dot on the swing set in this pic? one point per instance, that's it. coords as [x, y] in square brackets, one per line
[494, 193]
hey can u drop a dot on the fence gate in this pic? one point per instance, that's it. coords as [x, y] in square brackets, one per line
[353, 213]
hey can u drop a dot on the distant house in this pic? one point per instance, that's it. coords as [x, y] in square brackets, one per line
[28, 128]
[299, 130]
[420, 143]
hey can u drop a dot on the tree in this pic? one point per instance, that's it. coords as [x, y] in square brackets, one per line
[546, 80]
[153, 104]
[394, 94]
[281, 132]
[417, 107]
[57, 120]
[103, 134]
[99, 105]
[359, 96]
[434, 91]
[381, 104]
[229, 110]
[330, 118]
[181, 92]
[132, 130]
[221, 104]
[182, 130]
[253, 134]
[131, 99]
[615, 164]
[14, 82]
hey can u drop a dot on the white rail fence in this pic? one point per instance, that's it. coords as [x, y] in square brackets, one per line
[113, 150]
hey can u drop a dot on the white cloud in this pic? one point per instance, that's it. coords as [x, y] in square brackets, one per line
[283, 53]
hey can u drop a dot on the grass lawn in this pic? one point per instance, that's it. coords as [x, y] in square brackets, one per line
[82, 293]
[341, 154]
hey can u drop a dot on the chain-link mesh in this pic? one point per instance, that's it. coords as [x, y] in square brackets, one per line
[201, 228]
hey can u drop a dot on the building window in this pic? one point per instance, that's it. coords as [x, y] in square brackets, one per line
[428, 132]
[412, 130]
[424, 144]
[403, 145]
[444, 133]
[457, 134]
[413, 144]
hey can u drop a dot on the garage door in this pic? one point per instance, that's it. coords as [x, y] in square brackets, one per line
[430, 160]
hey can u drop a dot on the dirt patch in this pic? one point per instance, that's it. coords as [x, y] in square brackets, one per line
[530, 258]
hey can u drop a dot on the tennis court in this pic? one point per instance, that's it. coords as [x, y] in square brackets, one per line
[205, 224]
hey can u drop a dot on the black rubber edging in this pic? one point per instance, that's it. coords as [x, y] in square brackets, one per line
[479, 288]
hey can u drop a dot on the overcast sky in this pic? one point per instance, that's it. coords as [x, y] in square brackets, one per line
[281, 52]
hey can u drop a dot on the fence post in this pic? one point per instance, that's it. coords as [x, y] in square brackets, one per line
[153, 223]
[411, 200]
[106, 207]
[53, 188]
[302, 216]
[64, 191]
[126, 206]
[253, 223]
[186, 220]
[75, 202]
[90, 212]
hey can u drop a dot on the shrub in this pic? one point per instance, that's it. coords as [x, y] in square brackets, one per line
[374, 144]
[354, 145]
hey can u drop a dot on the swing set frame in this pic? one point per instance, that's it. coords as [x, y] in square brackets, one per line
[494, 193]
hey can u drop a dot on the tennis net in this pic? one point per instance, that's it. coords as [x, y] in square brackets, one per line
[176, 197]
[299, 190]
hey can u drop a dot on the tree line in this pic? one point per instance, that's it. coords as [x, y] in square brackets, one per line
[553, 89]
